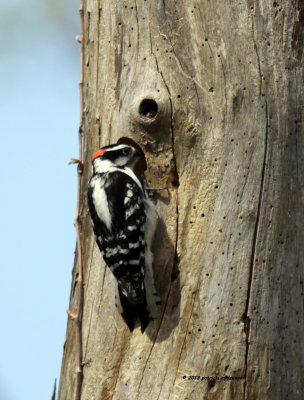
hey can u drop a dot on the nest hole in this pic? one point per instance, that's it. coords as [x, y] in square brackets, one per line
[148, 108]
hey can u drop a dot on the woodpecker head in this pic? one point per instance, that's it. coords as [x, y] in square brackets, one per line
[116, 155]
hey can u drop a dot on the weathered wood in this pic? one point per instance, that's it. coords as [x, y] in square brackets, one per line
[227, 141]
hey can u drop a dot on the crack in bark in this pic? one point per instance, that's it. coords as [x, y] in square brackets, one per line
[101, 292]
[146, 363]
[246, 179]
[97, 61]
[87, 341]
[137, 23]
[87, 280]
[177, 217]
[161, 386]
[103, 279]
[228, 244]
[226, 102]
[176, 177]
[186, 333]
[246, 317]
[202, 20]
[154, 340]
[196, 92]
[184, 72]
[297, 154]
[151, 47]
[257, 54]
[117, 371]
[178, 60]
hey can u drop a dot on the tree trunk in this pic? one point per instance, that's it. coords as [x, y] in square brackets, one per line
[213, 92]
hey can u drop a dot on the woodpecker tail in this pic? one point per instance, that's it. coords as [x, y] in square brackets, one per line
[131, 312]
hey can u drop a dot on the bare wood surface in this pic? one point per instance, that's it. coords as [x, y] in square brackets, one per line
[227, 141]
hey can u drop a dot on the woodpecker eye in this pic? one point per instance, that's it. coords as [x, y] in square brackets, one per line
[126, 152]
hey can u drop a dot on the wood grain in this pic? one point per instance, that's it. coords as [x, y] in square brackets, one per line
[227, 142]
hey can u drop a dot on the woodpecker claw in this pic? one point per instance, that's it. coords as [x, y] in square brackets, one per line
[152, 191]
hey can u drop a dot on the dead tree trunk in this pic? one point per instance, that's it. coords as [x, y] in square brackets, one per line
[213, 92]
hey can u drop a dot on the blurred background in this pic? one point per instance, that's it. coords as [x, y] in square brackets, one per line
[39, 117]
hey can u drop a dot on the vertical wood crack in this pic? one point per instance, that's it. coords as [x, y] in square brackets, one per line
[176, 177]
[184, 341]
[257, 54]
[246, 317]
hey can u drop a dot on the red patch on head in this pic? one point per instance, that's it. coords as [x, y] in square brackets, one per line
[98, 153]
